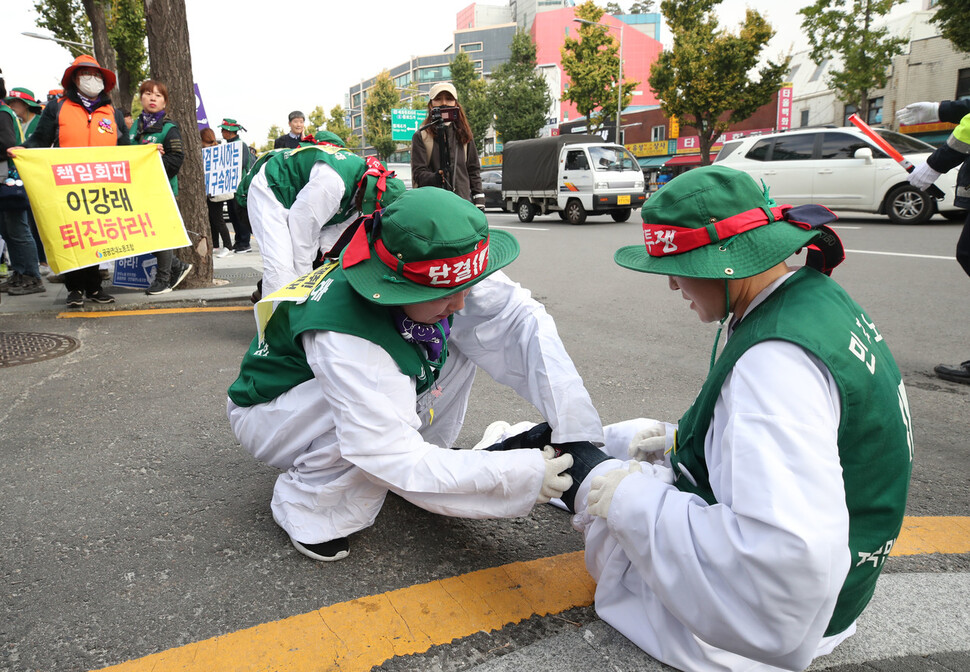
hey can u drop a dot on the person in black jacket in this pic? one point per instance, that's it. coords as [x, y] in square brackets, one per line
[154, 126]
[954, 152]
[292, 139]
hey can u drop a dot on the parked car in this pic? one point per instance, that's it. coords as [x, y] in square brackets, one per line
[492, 186]
[842, 169]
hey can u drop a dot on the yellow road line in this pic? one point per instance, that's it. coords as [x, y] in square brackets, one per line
[154, 311]
[357, 635]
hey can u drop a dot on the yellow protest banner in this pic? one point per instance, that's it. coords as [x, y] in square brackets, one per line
[95, 204]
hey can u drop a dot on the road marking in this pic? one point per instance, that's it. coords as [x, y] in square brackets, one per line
[901, 254]
[844, 226]
[360, 634]
[516, 228]
[121, 312]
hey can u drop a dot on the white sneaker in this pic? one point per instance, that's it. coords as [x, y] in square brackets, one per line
[45, 270]
[494, 433]
[222, 252]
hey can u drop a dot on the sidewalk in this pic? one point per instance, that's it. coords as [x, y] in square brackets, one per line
[234, 280]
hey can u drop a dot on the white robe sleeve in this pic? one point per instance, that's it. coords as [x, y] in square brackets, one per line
[318, 201]
[509, 335]
[377, 431]
[758, 573]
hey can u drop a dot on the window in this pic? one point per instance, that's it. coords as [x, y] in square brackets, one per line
[576, 160]
[727, 149]
[819, 70]
[963, 84]
[658, 133]
[760, 151]
[875, 111]
[471, 46]
[803, 118]
[849, 111]
[434, 74]
[793, 147]
[842, 146]
[403, 81]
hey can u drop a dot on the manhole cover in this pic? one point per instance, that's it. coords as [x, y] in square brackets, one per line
[23, 347]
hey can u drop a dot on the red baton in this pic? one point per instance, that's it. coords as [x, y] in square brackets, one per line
[893, 153]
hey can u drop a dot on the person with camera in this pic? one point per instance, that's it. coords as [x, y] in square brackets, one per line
[443, 152]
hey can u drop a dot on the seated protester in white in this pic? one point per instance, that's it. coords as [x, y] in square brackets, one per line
[756, 543]
[362, 388]
[300, 200]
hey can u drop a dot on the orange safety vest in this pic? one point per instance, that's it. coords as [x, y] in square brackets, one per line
[79, 128]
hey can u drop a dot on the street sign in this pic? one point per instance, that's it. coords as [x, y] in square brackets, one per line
[404, 124]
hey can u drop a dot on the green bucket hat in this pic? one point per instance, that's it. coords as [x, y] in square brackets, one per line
[716, 222]
[231, 125]
[428, 244]
[327, 136]
[25, 96]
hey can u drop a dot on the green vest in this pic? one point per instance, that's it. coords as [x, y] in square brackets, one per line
[17, 130]
[288, 171]
[31, 126]
[157, 138]
[278, 363]
[242, 191]
[875, 438]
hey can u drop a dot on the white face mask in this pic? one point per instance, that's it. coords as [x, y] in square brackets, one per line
[90, 85]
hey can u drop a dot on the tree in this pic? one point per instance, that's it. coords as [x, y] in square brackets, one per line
[117, 31]
[316, 121]
[706, 74]
[613, 8]
[641, 7]
[844, 28]
[592, 64]
[337, 124]
[473, 95]
[954, 22]
[274, 132]
[519, 94]
[383, 97]
[171, 62]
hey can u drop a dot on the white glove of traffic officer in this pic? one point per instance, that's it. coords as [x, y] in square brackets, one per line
[555, 482]
[923, 176]
[649, 444]
[602, 489]
[918, 113]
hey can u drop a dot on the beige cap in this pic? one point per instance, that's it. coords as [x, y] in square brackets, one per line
[441, 87]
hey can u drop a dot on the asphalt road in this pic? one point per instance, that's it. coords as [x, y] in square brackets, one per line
[134, 524]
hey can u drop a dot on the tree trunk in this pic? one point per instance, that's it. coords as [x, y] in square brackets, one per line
[124, 90]
[171, 63]
[103, 51]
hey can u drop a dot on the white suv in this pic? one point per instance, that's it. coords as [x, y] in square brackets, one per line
[841, 169]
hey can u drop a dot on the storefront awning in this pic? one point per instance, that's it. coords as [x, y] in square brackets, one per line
[686, 160]
[652, 161]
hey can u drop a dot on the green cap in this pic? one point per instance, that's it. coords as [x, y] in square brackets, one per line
[231, 125]
[25, 96]
[327, 136]
[716, 222]
[428, 244]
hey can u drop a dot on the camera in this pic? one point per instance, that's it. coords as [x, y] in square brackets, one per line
[444, 113]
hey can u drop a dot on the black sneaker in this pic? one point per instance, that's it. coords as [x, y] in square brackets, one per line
[158, 287]
[75, 298]
[955, 374]
[101, 296]
[13, 280]
[243, 250]
[179, 274]
[327, 551]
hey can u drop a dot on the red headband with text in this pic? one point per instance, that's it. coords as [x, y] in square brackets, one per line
[665, 239]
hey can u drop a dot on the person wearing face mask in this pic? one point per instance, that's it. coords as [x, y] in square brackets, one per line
[443, 152]
[362, 388]
[83, 117]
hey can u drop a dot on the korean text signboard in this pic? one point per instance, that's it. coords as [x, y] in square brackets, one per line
[223, 169]
[405, 123]
[95, 204]
[784, 107]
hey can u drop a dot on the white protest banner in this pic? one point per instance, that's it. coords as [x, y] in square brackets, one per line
[223, 170]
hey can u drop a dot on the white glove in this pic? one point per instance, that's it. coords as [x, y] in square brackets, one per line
[649, 444]
[603, 488]
[555, 482]
[918, 113]
[923, 176]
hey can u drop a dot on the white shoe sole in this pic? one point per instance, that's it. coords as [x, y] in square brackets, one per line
[310, 554]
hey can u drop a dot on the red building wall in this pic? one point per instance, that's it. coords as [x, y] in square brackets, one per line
[639, 52]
